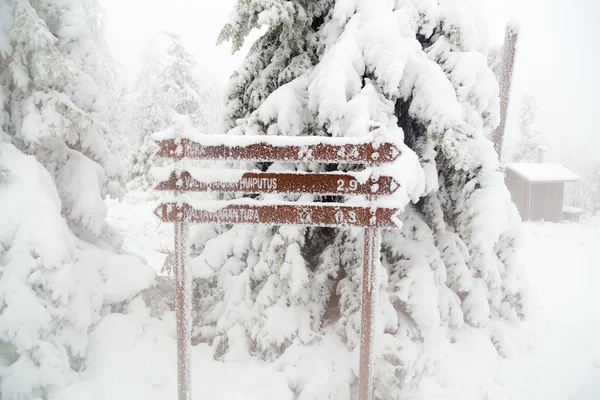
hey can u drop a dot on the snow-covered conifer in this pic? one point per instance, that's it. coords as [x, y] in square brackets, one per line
[152, 64]
[168, 85]
[58, 112]
[333, 68]
[191, 91]
[149, 113]
[595, 188]
[57, 167]
[526, 149]
[417, 70]
[586, 193]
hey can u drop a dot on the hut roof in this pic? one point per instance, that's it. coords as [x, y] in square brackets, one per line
[543, 172]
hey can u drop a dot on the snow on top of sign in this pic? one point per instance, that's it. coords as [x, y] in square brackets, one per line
[235, 140]
[543, 172]
[406, 170]
[216, 205]
[183, 129]
[227, 175]
[162, 174]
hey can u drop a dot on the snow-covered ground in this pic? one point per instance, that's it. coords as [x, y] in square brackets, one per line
[132, 356]
[145, 235]
[563, 267]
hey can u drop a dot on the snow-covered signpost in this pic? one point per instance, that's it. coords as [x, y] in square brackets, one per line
[184, 177]
[505, 81]
[183, 290]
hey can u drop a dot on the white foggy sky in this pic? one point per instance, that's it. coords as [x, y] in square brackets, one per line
[558, 58]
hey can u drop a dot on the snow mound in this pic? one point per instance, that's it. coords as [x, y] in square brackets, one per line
[133, 356]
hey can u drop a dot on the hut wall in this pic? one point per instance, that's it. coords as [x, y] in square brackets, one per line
[519, 192]
[546, 201]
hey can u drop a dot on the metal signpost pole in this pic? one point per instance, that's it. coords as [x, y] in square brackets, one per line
[369, 288]
[182, 311]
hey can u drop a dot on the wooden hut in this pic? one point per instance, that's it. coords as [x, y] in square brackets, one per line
[537, 189]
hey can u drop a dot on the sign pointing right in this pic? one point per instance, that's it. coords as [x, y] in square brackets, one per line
[334, 184]
[216, 148]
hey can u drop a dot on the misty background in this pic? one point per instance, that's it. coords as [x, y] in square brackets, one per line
[558, 57]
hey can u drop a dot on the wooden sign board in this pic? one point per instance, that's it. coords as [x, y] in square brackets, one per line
[313, 215]
[296, 150]
[334, 184]
[364, 153]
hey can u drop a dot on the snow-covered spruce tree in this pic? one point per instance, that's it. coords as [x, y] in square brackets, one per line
[57, 167]
[589, 189]
[152, 64]
[58, 112]
[112, 82]
[168, 86]
[291, 295]
[180, 82]
[149, 114]
[190, 90]
[526, 150]
[121, 117]
[584, 194]
[595, 189]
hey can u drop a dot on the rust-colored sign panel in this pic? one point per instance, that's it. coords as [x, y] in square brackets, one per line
[314, 150]
[314, 215]
[364, 153]
[279, 182]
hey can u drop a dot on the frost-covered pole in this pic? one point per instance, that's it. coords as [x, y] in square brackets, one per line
[504, 81]
[372, 243]
[183, 289]
[369, 285]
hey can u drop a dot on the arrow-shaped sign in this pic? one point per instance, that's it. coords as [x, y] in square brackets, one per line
[280, 182]
[328, 152]
[281, 214]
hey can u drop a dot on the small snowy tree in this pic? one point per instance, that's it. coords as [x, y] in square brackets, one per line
[149, 114]
[57, 167]
[179, 81]
[190, 90]
[152, 64]
[286, 294]
[112, 84]
[586, 193]
[590, 186]
[527, 148]
[494, 59]
[595, 189]
[168, 87]
[121, 117]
